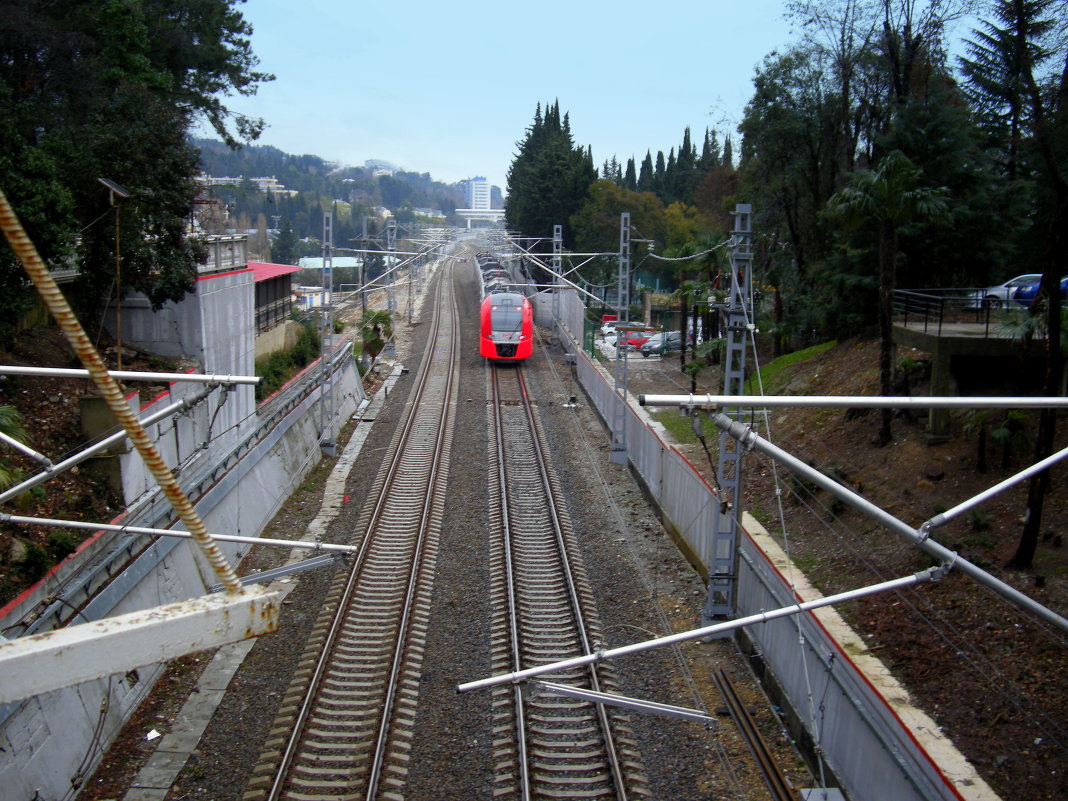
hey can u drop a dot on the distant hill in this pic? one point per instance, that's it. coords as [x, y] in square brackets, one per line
[311, 184]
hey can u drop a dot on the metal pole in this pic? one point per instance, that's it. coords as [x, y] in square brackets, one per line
[751, 441]
[103, 445]
[618, 453]
[715, 630]
[716, 402]
[723, 565]
[167, 532]
[326, 328]
[132, 375]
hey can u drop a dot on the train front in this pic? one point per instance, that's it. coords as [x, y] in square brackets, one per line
[507, 327]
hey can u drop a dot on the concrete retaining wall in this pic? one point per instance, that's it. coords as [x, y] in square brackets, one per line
[50, 743]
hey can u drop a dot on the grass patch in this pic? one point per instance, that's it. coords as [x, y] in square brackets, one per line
[769, 373]
[680, 427]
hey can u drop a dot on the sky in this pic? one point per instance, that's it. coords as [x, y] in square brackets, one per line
[450, 89]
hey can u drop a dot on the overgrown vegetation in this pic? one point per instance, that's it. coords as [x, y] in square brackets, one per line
[282, 365]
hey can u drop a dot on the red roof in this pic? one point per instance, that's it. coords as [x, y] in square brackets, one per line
[264, 270]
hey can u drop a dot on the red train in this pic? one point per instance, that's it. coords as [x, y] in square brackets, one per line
[507, 327]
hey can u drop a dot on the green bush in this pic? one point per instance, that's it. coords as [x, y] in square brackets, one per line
[61, 543]
[280, 366]
[36, 562]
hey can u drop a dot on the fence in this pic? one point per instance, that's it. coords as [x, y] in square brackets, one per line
[874, 742]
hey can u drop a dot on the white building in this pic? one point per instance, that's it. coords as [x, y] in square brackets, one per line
[477, 194]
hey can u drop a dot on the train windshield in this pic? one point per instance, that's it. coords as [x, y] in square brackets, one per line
[506, 318]
[506, 312]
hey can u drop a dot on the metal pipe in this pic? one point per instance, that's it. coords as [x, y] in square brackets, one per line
[167, 532]
[103, 445]
[132, 375]
[716, 402]
[751, 441]
[948, 515]
[930, 574]
[26, 450]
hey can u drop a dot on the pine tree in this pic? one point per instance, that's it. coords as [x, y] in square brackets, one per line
[994, 69]
[549, 177]
[646, 177]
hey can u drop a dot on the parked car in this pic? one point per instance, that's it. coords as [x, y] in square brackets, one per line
[999, 295]
[609, 326]
[633, 340]
[1025, 294]
[659, 344]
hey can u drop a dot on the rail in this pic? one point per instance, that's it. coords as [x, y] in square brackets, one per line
[933, 309]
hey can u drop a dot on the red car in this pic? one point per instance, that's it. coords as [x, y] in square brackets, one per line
[633, 340]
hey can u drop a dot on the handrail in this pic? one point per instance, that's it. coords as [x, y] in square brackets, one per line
[933, 308]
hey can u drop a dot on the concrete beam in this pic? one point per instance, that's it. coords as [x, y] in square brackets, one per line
[43, 662]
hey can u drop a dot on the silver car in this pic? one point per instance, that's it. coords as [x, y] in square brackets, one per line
[998, 296]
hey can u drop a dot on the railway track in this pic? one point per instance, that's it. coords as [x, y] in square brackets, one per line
[344, 728]
[545, 746]
[778, 785]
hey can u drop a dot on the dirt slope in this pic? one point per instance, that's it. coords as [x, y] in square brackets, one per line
[992, 676]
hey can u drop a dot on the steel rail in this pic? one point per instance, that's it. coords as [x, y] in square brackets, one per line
[524, 471]
[576, 602]
[384, 503]
[509, 573]
[434, 488]
[777, 783]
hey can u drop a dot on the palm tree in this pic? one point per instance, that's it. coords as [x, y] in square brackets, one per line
[377, 328]
[885, 199]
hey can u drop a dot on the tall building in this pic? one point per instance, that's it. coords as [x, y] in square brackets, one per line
[478, 194]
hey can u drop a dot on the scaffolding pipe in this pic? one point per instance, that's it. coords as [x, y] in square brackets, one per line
[985, 495]
[167, 532]
[27, 451]
[715, 630]
[751, 441]
[132, 375]
[103, 445]
[717, 402]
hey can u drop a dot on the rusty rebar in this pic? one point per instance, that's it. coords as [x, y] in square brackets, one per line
[110, 390]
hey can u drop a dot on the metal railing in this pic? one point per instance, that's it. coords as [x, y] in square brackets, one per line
[932, 309]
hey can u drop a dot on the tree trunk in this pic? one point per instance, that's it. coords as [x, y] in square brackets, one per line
[1056, 266]
[887, 259]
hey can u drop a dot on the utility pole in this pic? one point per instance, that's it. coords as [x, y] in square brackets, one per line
[558, 246]
[618, 453]
[391, 246]
[326, 329]
[363, 270]
[723, 563]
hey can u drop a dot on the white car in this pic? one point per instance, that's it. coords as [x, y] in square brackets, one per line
[998, 296]
[610, 327]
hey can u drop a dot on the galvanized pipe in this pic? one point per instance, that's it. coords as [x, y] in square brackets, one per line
[110, 390]
[167, 532]
[28, 451]
[985, 495]
[752, 441]
[103, 445]
[132, 375]
[716, 402]
[706, 631]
